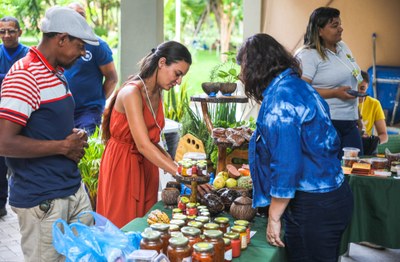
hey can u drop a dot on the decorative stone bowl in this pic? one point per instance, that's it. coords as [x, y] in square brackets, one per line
[210, 88]
[169, 196]
[227, 88]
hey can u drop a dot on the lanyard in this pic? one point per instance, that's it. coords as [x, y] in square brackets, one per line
[355, 71]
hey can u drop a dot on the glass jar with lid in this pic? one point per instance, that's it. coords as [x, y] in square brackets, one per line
[192, 233]
[210, 226]
[174, 228]
[179, 216]
[195, 224]
[203, 252]
[228, 250]
[151, 240]
[178, 222]
[215, 237]
[235, 243]
[243, 235]
[246, 224]
[178, 249]
[191, 209]
[202, 219]
[165, 235]
[223, 223]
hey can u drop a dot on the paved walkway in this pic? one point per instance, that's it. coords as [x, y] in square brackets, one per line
[10, 250]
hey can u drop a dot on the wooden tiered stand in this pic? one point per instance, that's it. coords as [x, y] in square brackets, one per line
[193, 181]
[204, 100]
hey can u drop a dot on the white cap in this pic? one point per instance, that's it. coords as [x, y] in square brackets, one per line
[65, 20]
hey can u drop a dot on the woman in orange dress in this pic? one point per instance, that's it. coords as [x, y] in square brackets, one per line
[132, 125]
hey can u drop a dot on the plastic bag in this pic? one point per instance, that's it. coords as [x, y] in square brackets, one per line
[71, 246]
[101, 242]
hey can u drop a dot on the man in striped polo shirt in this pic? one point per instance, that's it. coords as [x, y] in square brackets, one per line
[37, 134]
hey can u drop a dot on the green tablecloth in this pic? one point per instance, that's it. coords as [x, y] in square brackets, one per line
[376, 215]
[258, 250]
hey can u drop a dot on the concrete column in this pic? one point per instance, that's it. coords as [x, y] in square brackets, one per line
[251, 17]
[141, 29]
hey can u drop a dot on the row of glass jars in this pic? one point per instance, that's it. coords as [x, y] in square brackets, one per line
[189, 167]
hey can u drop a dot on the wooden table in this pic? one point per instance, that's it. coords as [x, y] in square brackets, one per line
[204, 100]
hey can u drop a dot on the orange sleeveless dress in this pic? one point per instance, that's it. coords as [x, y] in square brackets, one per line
[128, 182]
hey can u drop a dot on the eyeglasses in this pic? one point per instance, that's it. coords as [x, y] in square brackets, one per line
[10, 31]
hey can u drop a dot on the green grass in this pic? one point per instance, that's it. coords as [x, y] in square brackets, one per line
[202, 63]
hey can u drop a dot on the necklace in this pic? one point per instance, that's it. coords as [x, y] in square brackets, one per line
[153, 113]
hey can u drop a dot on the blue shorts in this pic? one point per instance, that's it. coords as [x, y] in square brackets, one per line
[88, 120]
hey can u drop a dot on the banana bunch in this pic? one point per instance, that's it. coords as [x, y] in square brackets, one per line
[157, 216]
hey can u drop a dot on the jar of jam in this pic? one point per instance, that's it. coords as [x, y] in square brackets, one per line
[202, 219]
[174, 228]
[193, 235]
[195, 224]
[187, 169]
[235, 243]
[246, 224]
[200, 207]
[179, 217]
[223, 223]
[165, 235]
[228, 250]
[190, 218]
[243, 235]
[151, 240]
[178, 222]
[203, 252]
[205, 213]
[179, 250]
[191, 209]
[201, 168]
[210, 226]
[176, 211]
[215, 237]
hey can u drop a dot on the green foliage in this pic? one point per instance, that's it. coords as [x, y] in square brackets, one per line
[226, 72]
[89, 165]
[175, 102]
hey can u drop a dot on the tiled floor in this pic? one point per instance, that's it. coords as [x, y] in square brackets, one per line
[10, 250]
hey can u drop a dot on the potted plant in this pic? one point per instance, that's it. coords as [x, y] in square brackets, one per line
[89, 165]
[226, 73]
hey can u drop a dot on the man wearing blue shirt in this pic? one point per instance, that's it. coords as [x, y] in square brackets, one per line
[10, 51]
[85, 80]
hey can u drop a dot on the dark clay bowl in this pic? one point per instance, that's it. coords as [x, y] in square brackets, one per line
[210, 88]
[227, 88]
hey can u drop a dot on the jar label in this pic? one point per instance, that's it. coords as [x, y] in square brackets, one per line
[244, 241]
[187, 259]
[228, 255]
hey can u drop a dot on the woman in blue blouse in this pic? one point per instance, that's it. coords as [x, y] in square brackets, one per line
[293, 155]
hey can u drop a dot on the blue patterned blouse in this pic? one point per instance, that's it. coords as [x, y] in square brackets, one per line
[295, 145]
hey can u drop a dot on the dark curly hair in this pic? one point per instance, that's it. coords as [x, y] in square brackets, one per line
[262, 58]
[172, 51]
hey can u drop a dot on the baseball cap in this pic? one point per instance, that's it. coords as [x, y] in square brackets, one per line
[65, 20]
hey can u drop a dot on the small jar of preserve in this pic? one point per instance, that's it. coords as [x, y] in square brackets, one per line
[165, 235]
[243, 235]
[202, 219]
[178, 249]
[203, 252]
[195, 224]
[228, 250]
[215, 237]
[191, 209]
[223, 223]
[178, 222]
[210, 226]
[193, 235]
[179, 216]
[174, 228]
[176, 211]
[235, 243]
[190, 218]
[246, 224]
[151, 240]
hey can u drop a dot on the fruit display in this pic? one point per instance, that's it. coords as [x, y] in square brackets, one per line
[157, 216]
[234, 178]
